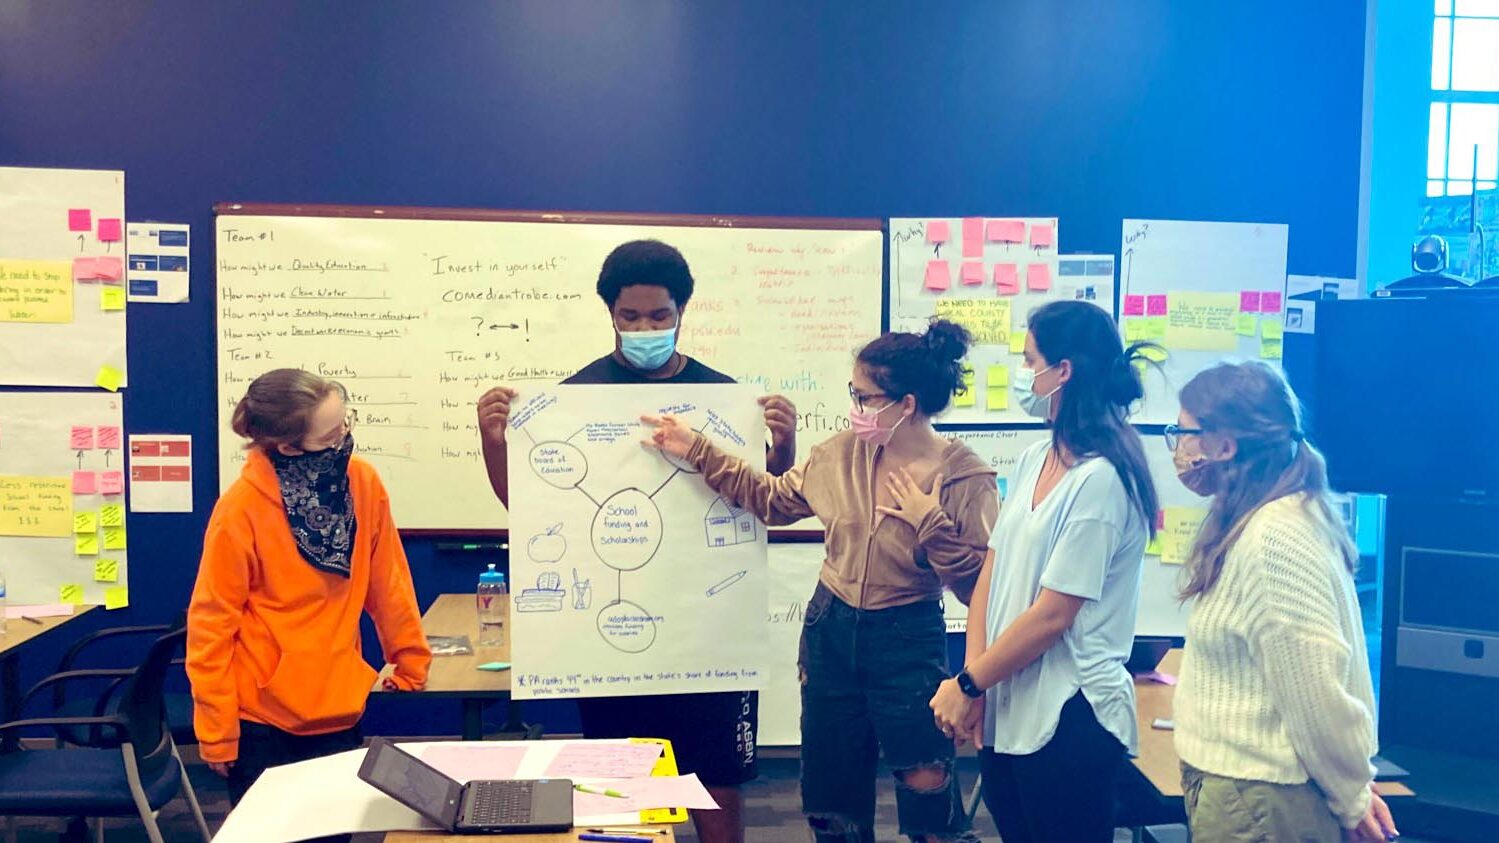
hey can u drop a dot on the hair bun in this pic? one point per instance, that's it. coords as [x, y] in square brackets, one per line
[947, 341]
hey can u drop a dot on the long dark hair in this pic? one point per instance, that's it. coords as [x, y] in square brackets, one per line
[928, 366]
[1252, 404]
[1092, 418]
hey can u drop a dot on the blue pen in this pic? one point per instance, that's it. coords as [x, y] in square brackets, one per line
[616, 838]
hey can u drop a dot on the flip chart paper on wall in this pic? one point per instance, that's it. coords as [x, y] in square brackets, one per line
[36, 291]
[1202, 322]
[625, 559]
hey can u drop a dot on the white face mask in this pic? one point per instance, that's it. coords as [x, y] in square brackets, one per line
[1038, 406]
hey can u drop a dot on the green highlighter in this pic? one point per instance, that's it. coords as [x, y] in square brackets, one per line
[495, 666]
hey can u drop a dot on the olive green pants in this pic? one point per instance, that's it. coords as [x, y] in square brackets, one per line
[1221, 810]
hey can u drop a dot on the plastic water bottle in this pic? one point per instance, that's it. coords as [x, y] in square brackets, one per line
[2, 604]
[491, 598]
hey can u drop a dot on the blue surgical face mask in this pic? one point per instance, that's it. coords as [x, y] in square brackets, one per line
[648, 350]
[1038, 406]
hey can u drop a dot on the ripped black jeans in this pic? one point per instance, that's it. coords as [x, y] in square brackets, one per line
[867, 677]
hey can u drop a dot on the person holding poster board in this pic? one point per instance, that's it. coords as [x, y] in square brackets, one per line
[1275, 706]
[906, 512]
[646, 285]
[1044, 691]
[297, 550]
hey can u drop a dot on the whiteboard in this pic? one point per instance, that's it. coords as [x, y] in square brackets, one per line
[1162, 257]
[34, 225]
[418, 317]
[913, 302]
[36, 440]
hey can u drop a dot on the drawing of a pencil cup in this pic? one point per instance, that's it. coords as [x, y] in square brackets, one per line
[582, 592]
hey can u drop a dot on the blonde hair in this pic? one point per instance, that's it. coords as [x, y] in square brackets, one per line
[278, 407]
[1252, 404]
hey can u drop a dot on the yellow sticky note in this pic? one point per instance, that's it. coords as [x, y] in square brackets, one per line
[106, 570]
[965, 398]
[1270, 349]
[988, 320]
[111, 297]
[112, 515]
[1017, 342]
[1271, 328]
[70, 593]
[1245, 324]
[86, 544]
[1155, 328]
[1134, 329]
[1153, 547]
[1153, 353]
[114, 538]
[36, 291]
[36, 506]
[1179, 533]
[116, 597]
[997, 376]
[109, 378]
[1202, 321]
[86, 522]
[997, 398]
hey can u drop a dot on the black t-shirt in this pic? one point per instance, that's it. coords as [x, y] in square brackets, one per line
[606, 369]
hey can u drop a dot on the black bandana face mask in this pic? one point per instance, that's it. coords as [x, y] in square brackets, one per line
[319, 505]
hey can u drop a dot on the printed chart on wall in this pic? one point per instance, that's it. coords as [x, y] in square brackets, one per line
[1206, 292]
[62, 501]
[418, 317]
[62, 273]
[986, 274]
[629, 576]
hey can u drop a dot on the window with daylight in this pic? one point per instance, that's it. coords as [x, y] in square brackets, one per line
[1464, 128]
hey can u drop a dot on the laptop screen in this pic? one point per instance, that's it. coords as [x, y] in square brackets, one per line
[412, 783]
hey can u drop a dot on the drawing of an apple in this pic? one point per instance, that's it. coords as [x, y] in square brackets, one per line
[549, 546]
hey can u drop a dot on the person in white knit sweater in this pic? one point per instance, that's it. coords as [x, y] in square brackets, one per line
[1275, 709]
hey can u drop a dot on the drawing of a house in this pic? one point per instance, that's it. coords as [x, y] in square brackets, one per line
[728, 525]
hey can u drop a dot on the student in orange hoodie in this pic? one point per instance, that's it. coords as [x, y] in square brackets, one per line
[297, 550]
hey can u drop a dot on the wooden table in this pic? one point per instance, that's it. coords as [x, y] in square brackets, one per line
[563, 837]
[458, 677]
[1158, 760]
[18, 633]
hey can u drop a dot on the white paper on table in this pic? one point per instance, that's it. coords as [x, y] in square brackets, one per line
[47, 610]
[156, 268]
[644, 794]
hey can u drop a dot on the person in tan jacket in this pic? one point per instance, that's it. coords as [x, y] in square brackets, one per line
[905, 512]
[297, 550]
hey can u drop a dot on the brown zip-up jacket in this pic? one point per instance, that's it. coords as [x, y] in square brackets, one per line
[873, 561]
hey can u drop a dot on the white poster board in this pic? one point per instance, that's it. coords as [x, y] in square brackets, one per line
[1207, 292]
[986, 273]
[629, 576]
[794, 570]
[62, 459]
[58, 217]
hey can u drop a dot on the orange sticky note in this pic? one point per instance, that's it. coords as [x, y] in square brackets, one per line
[1007, 278]
[1038, 277]
[938, 275]
[973, 273]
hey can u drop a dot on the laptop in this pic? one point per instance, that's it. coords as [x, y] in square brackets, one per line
[479, 807]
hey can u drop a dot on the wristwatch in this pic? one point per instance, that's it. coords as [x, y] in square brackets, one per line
[968, 686]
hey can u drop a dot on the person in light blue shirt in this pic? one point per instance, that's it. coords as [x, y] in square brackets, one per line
[1044, 692]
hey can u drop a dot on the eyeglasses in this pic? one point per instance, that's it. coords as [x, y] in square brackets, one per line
[860, 398]
[1174, 433]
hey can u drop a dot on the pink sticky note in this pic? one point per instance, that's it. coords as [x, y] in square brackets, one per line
[109, 437]
[111, 483]
[1043, 235]
[80, 219]
[1249, 302]
[1006, 231]
[109, 229]
[85, 269]
[973, 273]
[109, 268]
[1155, 305]
[1160, 520]
[1270, 302]
[1134, 305]
[938, 275]
[85, 482]
[1007, 278]
[937, 232]
[1038, 277]
[973, 237]
[81, 438]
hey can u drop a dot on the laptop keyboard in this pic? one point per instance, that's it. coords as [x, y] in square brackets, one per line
[499, 803]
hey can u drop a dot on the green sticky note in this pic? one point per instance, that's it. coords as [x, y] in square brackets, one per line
[966, 397]
[111, 297]
[114, 538]
[495, 666]
[1245, 324]
[86, 522]
[109, 378]
[86, 544]
[70, 593]
[1271, 328]
[111, 515]
[106, 570]
[116, 597]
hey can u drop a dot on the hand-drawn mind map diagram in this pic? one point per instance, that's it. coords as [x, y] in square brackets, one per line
[627, 528]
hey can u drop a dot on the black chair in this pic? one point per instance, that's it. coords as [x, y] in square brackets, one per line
[136, 777]
[179, 704]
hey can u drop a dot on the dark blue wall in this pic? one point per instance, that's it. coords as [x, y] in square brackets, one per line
[1092, 111]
